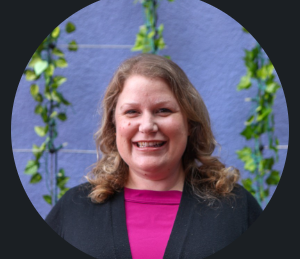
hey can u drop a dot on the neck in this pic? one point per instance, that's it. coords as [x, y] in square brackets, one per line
[144, 181]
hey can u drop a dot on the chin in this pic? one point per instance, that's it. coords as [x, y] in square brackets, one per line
[149, 167]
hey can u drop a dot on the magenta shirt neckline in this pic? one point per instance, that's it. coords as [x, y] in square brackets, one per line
[152, 197]
[150, 216]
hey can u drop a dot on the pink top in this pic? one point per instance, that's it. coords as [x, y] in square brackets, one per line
[150, 217]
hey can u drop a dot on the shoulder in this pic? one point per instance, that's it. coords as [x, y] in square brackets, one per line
[242, 194]
[76, 211]
[78, 193]
[245, 200]
[239, 205]
[74, 202]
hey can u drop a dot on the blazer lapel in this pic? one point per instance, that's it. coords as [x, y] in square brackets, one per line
[120, 234]
[181, 225]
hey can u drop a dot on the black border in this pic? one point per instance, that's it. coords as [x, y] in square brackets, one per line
[272, 23]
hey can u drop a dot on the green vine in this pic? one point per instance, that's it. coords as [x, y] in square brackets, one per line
[260, 124]
[51, 106]
[149, 39]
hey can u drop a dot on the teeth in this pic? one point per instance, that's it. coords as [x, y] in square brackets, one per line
[149, 144]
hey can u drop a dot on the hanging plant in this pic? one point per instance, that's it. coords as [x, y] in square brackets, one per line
[260, 124]
[51, 106]
[149, 38]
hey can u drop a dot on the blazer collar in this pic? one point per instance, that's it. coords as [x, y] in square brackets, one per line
[179, 231]
[119, 228]
[181, 225]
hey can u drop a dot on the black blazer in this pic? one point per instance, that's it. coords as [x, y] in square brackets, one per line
[199, 230]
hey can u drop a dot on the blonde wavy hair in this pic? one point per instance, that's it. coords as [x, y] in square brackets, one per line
[208, 177]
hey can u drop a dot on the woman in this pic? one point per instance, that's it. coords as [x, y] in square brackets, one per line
[156, 191]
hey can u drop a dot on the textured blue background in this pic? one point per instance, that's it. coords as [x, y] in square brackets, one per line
[205, 42]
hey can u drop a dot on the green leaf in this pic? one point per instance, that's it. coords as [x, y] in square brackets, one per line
[55, 32]
[268, 163]
[38, 109]
[34, 59]
[168, 57]
[244, 153]
[274, 178]
[48, 95]
[251, 54]
[59, 80]
[244, 83]
[36, 178]
[55, 96]
[266, 193]
[244, 30]
[272, 87]
[264, 114]
[62, 116]
[247, 183]
[248, 132]
[70, 27]
[61, 62]
[31, 167]
[151, 34]
[250, 165]
[53, 114]
[62, 192]
[34, 90]
[30, 75]
[58, 52]
[161, 43]
[146, 49]
[43, 146]
[61, 172]
[269, 68]
[38, 151]
[258, 108]
[160, 28]
[41, 131]
[35, 149]
[50, 70]
[58, 97]
[262, 73]
[38, 98]
[143, 30]
[72, 46]
[48, 199]
[265, 71]
[137, 48]
[40, 67]
[250, 120]
[44, 114]
[41, 47]
[62, 181]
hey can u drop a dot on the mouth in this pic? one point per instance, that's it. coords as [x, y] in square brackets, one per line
[149, 144]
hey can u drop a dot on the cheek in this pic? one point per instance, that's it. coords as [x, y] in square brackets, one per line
[124, 131]
[176, 128]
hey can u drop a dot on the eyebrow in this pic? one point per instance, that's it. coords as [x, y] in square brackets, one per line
[163, 102]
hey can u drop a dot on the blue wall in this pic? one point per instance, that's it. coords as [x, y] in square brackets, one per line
[204, 41]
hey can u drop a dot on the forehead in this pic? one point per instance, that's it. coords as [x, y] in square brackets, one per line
[138, 86]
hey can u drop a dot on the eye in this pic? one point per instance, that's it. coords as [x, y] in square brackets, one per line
[131, 112]
[164, 110]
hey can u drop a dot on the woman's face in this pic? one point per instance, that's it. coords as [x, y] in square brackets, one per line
[151, 129]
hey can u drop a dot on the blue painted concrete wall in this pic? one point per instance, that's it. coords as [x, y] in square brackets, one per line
[204, 41]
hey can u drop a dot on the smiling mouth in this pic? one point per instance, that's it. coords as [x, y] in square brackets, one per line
[150, 144]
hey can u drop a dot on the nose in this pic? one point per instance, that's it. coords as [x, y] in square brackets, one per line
[148, 124]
